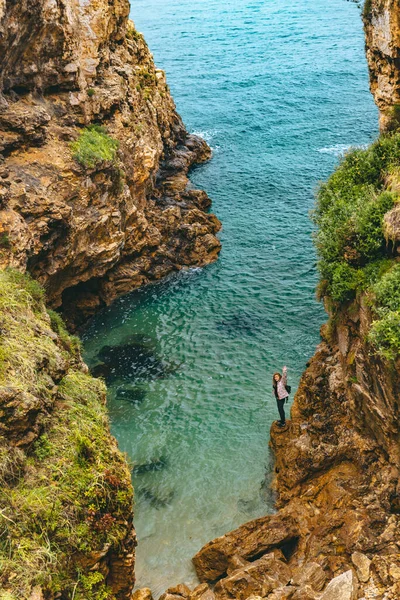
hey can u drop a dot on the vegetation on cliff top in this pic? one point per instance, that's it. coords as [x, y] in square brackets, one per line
[65, 489]
[354, 255]
[94, 146]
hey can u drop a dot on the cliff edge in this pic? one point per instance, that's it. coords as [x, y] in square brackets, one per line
[65, 489]
[94, 195]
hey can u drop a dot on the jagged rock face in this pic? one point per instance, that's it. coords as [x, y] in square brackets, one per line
[382, 27]
[337, 478]
[91, 234]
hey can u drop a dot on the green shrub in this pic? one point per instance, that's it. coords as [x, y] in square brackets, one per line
[42, 447]
[384, 335]
[91, 92]
[94, 146]
[367, 10]
[349, 217]
[387, 289]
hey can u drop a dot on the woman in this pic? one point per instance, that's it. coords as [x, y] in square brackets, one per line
[279, 383]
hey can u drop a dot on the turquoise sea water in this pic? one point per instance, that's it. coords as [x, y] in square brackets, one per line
[278, 88]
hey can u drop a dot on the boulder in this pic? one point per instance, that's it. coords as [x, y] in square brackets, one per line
[236, 562]
[168, 596]
[142, 594]
[305, 593]
[257, 578]
[179, 590]
[251, 539]
[202, 592]
[283, 593]
[362, 564]
[311, 574]
[342, 587]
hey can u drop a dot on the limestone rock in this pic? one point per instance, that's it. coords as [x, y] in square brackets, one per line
[343, 586]
[179, 590]
[284, 593]
[90, 233]
[306, 592]
[253, 538]
[310, 574]
[142, 594]
[257, 578]
[202, 592]
[382, 27]
[236, 562]
[362, 564]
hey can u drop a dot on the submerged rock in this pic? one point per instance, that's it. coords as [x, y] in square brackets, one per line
[156, 464]
[239, 324]
[157, 498]
[131, 361]
[133, 395]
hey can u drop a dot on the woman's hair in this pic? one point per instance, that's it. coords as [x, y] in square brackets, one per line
[274, 383]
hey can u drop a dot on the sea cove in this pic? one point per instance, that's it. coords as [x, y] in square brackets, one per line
[278, 89]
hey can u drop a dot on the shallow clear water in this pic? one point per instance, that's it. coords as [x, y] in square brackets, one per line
[279, 88]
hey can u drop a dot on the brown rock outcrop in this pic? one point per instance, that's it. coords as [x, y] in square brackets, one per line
[92, 233]
[249, 540]
[337, 478]
[382, 28]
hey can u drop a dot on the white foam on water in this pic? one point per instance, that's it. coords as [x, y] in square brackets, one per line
[341, 149]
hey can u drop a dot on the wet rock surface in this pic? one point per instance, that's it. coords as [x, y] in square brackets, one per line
[90, 234]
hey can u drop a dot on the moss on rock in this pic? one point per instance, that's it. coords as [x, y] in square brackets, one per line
[65, 489]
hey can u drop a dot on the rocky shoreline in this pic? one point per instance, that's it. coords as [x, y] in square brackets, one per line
[90, 232]
[91, 229]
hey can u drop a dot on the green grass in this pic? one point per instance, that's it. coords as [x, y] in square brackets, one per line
[68, 492]
[353, 253]
[94, 147]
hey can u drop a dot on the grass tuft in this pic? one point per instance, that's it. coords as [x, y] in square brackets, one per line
[94, 146]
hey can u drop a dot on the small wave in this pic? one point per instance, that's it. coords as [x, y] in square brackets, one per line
[341, 149]
[208, 135]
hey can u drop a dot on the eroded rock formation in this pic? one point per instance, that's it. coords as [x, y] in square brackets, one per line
[382, 27]
[337, 484]
[89, 233]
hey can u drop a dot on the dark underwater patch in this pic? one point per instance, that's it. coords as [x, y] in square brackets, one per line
[134, 358]
[134, 396]
[157, 498]
[240, 323]
[155, 464]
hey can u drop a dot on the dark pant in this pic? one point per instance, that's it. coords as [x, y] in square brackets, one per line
[281, 404]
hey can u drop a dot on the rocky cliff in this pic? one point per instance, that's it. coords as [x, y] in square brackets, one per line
[336, 531]
[65, 489]
[382, 27]
[94, 195]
